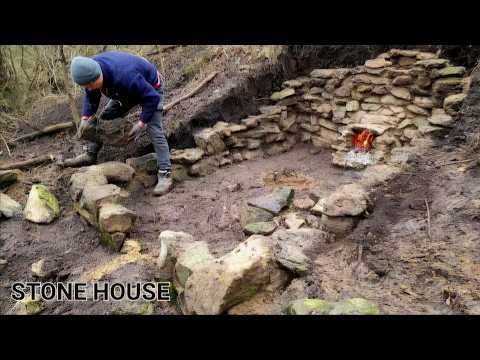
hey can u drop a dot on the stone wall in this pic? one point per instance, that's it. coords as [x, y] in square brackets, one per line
[399, 96]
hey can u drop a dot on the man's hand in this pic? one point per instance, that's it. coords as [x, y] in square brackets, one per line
[136, 131]
[85, 123]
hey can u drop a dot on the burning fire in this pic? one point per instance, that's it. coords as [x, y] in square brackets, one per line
[363, 141]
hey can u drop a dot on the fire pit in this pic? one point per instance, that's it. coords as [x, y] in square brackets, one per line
[363, 141]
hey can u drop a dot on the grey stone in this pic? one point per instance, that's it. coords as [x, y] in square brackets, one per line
[146, 163]
[260, 228]
[347, 200]
[9, 207]
[275, 201]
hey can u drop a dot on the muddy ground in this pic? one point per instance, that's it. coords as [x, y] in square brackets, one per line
[400, 268]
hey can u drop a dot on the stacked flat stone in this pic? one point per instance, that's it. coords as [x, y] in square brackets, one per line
[99, 201]
[399, 96]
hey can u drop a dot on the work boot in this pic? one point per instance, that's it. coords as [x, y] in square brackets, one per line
[80, 160]
[164, 184]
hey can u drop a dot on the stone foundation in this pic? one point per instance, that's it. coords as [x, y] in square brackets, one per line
[400, 96]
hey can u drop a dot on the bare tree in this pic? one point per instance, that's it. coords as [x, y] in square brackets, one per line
[71, 100]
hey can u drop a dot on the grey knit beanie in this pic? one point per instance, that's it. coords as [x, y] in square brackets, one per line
[85, 70]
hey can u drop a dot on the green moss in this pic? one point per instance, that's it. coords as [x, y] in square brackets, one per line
[33, 307]
[309, 306]
[134, 309]
[85, 214]
[48, 198]
[355, 306]
[107, 240]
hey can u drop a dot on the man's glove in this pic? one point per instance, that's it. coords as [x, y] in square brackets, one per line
[86, 123]
[136, 131]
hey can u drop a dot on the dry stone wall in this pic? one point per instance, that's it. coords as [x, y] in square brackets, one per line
[399, 96]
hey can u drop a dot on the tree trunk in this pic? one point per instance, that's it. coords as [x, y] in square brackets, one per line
[71, 100]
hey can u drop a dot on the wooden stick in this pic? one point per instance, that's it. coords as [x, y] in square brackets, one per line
[428, 221]
[27, 163]
[191, 93]
[8, 149]
[458, 162]
[46, 130]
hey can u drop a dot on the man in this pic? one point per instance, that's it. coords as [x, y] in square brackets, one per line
[127, 80]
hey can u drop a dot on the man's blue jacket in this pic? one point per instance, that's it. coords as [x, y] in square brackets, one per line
[128, 78]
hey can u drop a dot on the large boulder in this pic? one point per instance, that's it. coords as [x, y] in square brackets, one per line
[186, 156]
[80, 180]
[233, 278]
[353, 306]
[193, 256]
[295, 249]
[347, 200]
[292, 257]
[172, 245]
[9, 207]
[42, 206]
[146, 163]
[249, 214]
[114, 218]
[93, 196]
[274, 202]
[309, 307]
[210, 141]
[114, 171]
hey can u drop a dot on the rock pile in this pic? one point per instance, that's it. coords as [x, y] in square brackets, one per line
[98, 200]
[342, 209]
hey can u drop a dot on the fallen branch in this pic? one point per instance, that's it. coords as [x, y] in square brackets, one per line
[28, 163]
[191, 93]
[67, 125]
[458, 162]
[46, 130]
[428, 221]
[6, 145]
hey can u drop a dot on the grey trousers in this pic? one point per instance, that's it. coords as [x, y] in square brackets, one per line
[155, 131]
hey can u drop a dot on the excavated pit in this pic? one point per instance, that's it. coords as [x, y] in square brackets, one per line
[207, 206]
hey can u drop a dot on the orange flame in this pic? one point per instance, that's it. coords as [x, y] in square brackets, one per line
[363, 141]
